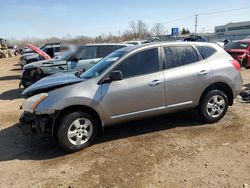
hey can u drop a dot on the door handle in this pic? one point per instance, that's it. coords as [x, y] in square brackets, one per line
[203, 73]
[155, 83]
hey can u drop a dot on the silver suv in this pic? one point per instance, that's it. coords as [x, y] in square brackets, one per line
[132, 83]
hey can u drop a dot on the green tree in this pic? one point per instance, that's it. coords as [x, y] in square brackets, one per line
[183, 31]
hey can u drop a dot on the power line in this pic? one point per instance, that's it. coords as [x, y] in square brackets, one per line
[223, 11]
[207, 13]
[180, 19]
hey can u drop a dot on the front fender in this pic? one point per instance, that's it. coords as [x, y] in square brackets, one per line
[77, 94]
[58, 105]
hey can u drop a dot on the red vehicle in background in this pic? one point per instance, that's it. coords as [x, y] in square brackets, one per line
[240, 51]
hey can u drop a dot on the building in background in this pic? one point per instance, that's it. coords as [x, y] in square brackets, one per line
[234, 31]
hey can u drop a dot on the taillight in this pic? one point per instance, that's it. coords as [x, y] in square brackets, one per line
[236, 64]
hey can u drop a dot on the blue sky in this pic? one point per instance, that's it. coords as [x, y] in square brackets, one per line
[46, 18]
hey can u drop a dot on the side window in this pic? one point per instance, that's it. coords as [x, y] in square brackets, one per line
[56, 49]
[45, 49]
[106, 50]
[176, 56]
[206, 51]
[50, 52]
[144, 62]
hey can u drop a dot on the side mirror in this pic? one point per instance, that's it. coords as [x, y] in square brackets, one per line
[73, 58]
[115, 76]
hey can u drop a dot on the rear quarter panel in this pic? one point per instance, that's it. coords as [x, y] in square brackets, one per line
[224, 71]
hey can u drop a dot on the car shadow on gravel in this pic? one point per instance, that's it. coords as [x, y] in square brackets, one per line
[17, 65]
[150, 125]
[247, 85]
[16, 69]
[12, 77]
[11, 94]
[16, 145]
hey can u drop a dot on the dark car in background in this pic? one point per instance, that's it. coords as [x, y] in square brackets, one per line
[52, 49]
[84, 57]
[240, 51]
[196, 38]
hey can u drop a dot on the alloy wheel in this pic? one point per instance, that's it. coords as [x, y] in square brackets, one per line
[80, 131]
[216, 106]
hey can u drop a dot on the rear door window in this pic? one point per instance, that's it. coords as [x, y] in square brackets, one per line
[206, 51]
[176, 56]
[142, 63]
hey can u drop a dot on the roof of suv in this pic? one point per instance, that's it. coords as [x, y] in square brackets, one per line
[155, 44]
[107, 44]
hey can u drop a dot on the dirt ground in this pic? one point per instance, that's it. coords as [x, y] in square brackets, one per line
[175, 150]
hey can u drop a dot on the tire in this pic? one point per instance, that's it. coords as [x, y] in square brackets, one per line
[24, 84]
[212, 111]
[71, 134]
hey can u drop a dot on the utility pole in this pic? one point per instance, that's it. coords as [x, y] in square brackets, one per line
[119, 34]
[196, 23]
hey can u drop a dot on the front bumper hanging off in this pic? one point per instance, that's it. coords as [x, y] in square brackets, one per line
[31, 123]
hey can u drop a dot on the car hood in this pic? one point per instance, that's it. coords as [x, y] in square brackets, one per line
[237, 50]
[28, 54]
[33, 56]
[39, 51]
[51, 82]
[45, 62]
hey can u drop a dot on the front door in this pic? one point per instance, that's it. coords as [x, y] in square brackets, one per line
[140, 92]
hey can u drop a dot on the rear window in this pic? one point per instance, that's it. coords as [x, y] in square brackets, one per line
[88, 52]
[103, 51]
[236, 45]
[206, 51]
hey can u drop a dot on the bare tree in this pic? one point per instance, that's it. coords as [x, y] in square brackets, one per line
[158, 29]
[139, 29]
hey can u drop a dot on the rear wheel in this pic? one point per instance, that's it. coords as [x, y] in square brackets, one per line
[76, 131]
[213, 106]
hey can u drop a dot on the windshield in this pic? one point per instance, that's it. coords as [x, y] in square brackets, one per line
[64, 56]
[102, 65]
[42, 47]
[236, 45]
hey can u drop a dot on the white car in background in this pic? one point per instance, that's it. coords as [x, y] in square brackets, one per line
[136, 42]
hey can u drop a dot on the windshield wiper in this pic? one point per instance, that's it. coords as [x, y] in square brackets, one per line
[79, 73]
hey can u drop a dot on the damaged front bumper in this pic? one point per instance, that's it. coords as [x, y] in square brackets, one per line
[31, 75]
[36, 124]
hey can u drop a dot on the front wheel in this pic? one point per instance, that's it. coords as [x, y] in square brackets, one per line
[213, 106]
[76, 131]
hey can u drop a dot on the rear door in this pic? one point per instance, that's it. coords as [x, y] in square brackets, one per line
[186, 76]
[140, 92]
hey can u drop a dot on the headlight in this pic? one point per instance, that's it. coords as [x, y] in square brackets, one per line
[31, 103]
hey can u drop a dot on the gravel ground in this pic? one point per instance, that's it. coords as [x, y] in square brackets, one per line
[175, 150]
